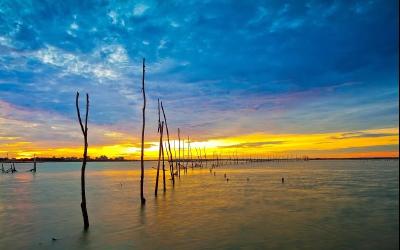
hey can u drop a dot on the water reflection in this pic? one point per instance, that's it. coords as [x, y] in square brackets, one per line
[340, 204]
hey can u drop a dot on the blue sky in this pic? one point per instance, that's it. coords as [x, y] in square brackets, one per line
[221, 67]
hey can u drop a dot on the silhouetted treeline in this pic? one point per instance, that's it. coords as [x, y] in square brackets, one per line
[76, 159]
[62, 159]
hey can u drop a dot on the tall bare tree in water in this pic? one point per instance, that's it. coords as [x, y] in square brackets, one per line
[160, 130]
[159, 157]
[171, 166]
[142, 199]
[84, 132]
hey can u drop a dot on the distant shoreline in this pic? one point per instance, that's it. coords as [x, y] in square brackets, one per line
[243, 159]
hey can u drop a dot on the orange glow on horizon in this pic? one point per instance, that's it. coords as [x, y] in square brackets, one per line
[364, 143]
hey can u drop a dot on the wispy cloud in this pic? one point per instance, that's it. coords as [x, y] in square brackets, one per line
[253, 144]
[359, 134]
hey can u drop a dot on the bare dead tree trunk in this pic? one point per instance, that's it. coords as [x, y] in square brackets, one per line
[159, 116]
[142, 199]
[159, 149]
[84, 132]
[171, 166]
[159, 158]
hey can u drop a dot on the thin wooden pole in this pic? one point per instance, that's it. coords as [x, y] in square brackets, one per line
[34, 163]
[205, 155]
[176, 159]
[191, 156]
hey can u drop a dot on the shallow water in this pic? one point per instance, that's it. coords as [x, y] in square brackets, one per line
[346, 204]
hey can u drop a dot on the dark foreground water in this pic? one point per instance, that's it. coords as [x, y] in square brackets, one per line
[349, 204]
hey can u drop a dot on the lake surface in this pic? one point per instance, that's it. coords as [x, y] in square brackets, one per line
[340, 204]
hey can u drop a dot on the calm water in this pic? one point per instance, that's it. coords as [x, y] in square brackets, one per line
[321, 205]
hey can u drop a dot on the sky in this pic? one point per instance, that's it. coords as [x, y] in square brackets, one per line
[252, 78]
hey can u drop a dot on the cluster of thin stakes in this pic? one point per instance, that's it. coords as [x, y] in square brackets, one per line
[177, 162]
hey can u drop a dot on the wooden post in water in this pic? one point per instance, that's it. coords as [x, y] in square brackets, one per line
[200, 158]
[34, 163]
[205, 155]
[176, 159]
[190, 154]
[142, 199]
[84, 132]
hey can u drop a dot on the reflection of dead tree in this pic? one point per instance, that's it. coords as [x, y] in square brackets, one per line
[84, 132]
